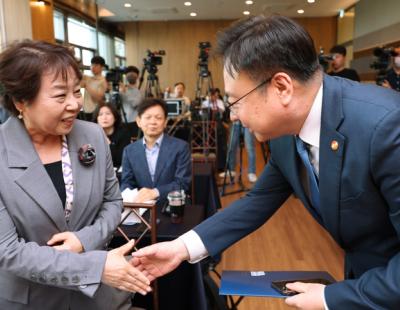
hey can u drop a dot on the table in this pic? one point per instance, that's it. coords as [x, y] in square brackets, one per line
[183, 288]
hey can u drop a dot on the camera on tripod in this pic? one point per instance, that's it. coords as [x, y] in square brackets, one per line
[203, 58]
[153, 60]
[115, 76]
[381, 64]
[324, 59]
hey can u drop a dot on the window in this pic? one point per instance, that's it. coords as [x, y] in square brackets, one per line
[80, 33]
[106, 49]
[59, 32]
[119, 46]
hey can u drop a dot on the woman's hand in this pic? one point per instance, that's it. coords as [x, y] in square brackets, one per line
[66, 241]
[119, 273]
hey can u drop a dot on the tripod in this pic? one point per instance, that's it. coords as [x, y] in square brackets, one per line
[204, 80]
[152, 88]
[227, 171]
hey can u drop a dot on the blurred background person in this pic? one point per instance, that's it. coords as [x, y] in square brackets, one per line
[158, 163]
[214, 105]
[237, 131]
[3, 113]
[130, 95]
[107, 116]
[339, 62]
[392, 79]
[95, 87]
[179, 92]
[59, 198]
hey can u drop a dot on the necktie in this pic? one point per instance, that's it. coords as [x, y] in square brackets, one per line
[311, 177]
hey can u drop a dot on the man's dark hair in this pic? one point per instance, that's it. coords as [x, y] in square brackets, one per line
[114, 111]
[98, 60]
[180, 83]
[151, 102]
[23, 64]
[338, 49]
[132, 69]
[261, 46]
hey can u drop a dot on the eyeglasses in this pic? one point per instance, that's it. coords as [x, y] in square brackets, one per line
[233, 109]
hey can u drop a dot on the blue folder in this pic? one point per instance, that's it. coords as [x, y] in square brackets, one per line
[258, 283]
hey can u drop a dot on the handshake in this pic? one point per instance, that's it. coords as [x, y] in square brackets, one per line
[145, 265]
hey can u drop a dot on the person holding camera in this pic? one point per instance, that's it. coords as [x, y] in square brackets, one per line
[95, 87]
[130, 95]
[338, 64]
[392, 79]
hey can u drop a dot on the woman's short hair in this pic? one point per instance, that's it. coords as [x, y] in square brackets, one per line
[23, 64]
[151, 102]
[114, 111]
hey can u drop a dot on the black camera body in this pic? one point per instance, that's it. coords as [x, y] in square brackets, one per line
[115, 76]
[381, 64]
[203, 58]
[153, 60]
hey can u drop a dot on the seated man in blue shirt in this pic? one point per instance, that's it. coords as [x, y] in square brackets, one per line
[156, 164]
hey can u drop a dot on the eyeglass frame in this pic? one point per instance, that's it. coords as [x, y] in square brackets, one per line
[230, 105]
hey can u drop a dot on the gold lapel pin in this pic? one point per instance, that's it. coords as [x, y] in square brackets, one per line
[334, 145]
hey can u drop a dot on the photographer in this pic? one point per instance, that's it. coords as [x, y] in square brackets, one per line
[95, 87]
[392, 79]
[339, 59]
[130, 94]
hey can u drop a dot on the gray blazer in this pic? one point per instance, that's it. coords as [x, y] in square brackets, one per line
[33, 275]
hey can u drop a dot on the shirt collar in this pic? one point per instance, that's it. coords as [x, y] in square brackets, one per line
[158, 141]
[311, 129]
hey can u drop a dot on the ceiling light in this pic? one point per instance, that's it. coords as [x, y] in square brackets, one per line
[300, 11]
[248, 2]
[188, 3]
[310, 1]
[246, 13]
[127, 5]
[40, 3]
[341, 13]
[193, 14]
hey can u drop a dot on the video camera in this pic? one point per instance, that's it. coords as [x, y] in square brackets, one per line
[203, 58]
[381, 64]
[153, 60]
[115, 76]
[324, 59]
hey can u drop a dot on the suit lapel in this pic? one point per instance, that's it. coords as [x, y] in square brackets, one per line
[332, 147]
[83, 175]
[162, 158]
[34, 180]
[142, 160]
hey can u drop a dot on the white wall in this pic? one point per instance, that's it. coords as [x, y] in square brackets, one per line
[15, 21]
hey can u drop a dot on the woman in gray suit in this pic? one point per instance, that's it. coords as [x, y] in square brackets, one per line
[59, 197]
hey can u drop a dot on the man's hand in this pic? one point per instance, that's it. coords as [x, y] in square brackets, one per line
[161, 258]
[146, 194]
[66, 241]
[311, 296]
[119, 273]
[386, 84]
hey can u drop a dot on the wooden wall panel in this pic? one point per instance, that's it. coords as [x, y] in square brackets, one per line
[180, 40]
[42, 22]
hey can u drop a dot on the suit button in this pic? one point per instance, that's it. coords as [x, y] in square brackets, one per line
[43, 278]
[83, 286]
[75, 279]
[64, 280]
[33, 276]
[53, 280]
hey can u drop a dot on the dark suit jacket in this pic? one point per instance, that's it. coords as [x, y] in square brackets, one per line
[173, 168]
[359, 193]
[32, 274]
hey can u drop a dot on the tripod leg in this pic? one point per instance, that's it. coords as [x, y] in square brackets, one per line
[231, 151]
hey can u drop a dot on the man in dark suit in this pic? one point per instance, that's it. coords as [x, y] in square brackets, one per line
[334, 142]
[156, 164]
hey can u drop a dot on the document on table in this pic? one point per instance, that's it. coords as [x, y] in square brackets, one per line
[129, 195]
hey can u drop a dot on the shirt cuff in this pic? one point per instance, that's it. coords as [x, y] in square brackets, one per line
[195, 247]
[325, 305]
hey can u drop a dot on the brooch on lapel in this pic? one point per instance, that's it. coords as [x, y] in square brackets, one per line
[87, 155]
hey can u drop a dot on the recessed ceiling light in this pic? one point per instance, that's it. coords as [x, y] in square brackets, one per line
[246, 13]
[127, 5]
[193, 14]
[248, 2]
[300, 11]
[188, 3]
[310, 1]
